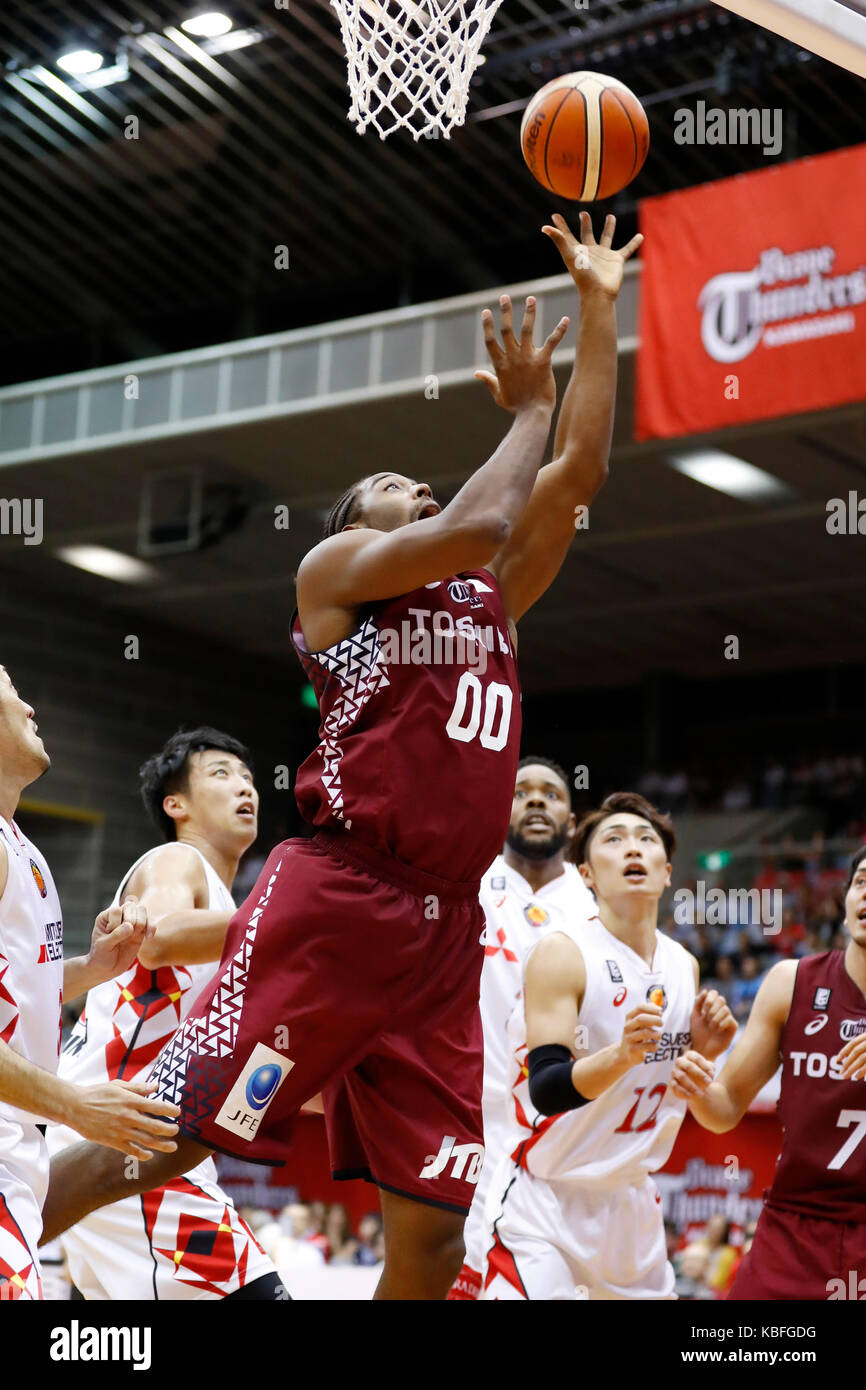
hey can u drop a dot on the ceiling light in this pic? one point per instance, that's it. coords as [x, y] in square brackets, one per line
[731, 475]
[108, 564]
[80, 60]
[208, 25]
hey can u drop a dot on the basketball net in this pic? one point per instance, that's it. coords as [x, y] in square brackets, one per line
[411, 61]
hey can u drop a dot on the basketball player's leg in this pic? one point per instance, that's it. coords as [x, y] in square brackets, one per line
[423, 1249]
[523, 1261]
[87, 1176]
[19, 1232]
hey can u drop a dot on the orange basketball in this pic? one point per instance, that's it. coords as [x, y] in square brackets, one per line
[584, 136]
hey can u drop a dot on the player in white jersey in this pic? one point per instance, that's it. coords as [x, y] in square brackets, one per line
[33, 981]
[579, 1215]
[184, 1240]
[528, 890]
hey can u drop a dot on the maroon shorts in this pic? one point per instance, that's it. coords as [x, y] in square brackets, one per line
[349, 973]
[798, 1258]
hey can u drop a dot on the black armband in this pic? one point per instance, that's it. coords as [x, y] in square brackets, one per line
[551, 1089]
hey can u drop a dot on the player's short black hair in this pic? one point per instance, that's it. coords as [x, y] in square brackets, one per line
[855, 865]
[554, 767]
[346, 508]
[168, 770]
[629, 803]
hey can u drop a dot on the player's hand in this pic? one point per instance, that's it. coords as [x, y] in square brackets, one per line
[691, 1075]
[523, 373]
[640, 1034]
[124, 1115]
[712, 1025]
[117, 938]
[853, 1059]
[592, 265]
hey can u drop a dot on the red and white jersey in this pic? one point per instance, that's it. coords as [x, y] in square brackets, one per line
[516, 919]
[420, 732]
[629, 1130]
[126, 1021]
[31, 965]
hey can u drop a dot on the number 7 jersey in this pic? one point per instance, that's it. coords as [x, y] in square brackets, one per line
[629, 1130]
[420, 732]
[822, 1167]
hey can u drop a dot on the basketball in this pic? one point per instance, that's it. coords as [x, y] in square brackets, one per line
[584, 136]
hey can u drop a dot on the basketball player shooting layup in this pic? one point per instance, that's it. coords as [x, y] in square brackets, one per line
[34, 977]
[356, 971]
[810, 1243]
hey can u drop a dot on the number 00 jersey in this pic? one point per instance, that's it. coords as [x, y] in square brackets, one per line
[126, 1021]
[822, 1167]
[629, 1130]
[420, 729]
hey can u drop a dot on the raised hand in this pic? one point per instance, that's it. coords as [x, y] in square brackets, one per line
[118, 934]
[713, 1026]
[593, 265]
[522, 374]
[691, 1075]
[853, 1059]
[641, 1031]
[124, 1115]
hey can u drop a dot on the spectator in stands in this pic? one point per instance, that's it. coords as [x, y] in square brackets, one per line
[745, 988]
[287, 1247]
[338, 1231]
[723, 980]
[370, 1249]
[315, 1232]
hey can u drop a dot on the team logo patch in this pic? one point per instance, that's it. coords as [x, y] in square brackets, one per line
[536, 916]
[852, 1028]
[816, 1024]
[656, 995]
[614, 972]
[460, 592]
[245, 1105]
[498, 883]
[822, 997]
[38, 879]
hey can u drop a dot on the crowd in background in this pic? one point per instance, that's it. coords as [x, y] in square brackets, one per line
[310, 1234]
[734, 956]
[704, 1267]
[834, 784]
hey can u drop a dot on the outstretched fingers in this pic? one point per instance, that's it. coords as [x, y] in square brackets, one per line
[495, 351]
[631, 246]
[552, 341]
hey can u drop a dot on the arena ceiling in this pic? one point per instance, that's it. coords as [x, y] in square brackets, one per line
[114, 248]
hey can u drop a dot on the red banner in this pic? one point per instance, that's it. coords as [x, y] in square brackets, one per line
[753, 297]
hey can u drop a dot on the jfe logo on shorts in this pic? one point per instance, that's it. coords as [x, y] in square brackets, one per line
[252, 1093]
[450, 1149]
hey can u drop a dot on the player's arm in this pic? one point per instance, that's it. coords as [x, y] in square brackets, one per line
[172, 887]
[119, 933]
[712, 1025]
[120, 1114]
[363, 565]
[533, 554]
[720, 1105]
[554, 988]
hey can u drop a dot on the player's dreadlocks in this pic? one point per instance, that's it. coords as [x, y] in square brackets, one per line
[345, 509]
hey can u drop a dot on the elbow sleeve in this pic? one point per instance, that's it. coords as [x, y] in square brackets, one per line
[551, 1089]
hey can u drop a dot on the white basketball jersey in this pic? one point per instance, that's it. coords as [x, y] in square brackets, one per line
[516, 919]
[126, 1022]
[31, 965]
[629, 1130]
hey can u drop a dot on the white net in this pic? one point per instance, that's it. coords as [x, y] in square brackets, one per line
[411, 61]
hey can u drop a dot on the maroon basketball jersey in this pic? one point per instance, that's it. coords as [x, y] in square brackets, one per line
[822, 1167]
[420, 730]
